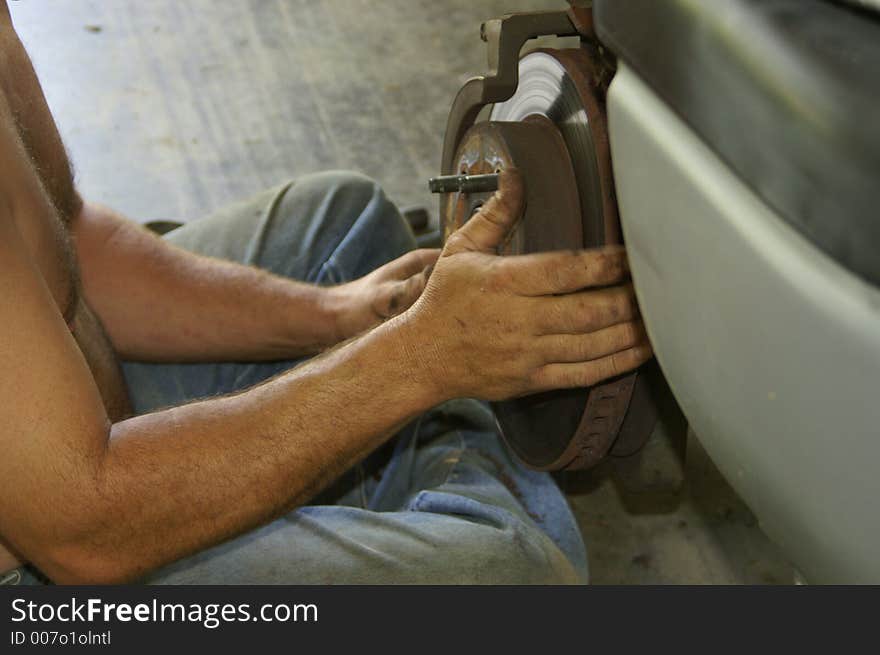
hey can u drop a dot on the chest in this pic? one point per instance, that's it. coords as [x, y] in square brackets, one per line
[51, 248]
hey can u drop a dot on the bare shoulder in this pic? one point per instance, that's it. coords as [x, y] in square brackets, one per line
[24, 101]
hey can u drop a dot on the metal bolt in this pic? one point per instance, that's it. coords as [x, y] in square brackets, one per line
[464, 183]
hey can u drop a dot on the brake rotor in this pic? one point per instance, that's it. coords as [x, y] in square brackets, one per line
[560, 85]
[553, 130]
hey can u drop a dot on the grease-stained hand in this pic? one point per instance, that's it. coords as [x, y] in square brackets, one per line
[497, 327]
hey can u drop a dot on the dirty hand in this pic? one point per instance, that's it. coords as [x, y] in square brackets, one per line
[362, 304]
[498, 327]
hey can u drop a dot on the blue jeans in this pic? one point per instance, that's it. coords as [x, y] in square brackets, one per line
[448, 504]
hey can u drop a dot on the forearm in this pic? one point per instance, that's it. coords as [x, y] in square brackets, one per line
[161, 303]
[174, 482]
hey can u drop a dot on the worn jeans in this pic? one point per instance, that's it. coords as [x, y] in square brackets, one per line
[446, 504]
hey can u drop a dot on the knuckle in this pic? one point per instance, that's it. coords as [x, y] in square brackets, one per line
[615, 309]
[578, 348]
[590, 348]
[589, 314]
[492, 213]
[510, 198]
[498, 210]
[557, 350]
[460, 240]
[499, 275]
[454, 242]
[599, 265]
[550, 273]
[629, 333]
[607, 265]
[567, 273]
[495, 276]
[563, 316]
[603, 264]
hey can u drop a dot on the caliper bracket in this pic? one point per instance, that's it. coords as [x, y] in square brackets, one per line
[505, 38]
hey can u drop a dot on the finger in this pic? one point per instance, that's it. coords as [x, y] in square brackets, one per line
[586, 311]
[487, 228]
[587, 374]
[572, 348]
[549, 273]
[412, 263]
[403, 294]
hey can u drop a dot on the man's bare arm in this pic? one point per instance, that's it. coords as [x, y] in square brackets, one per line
[86, 501]
[158, 302]
[161, 303]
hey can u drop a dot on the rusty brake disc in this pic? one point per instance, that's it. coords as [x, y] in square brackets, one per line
[553, 130]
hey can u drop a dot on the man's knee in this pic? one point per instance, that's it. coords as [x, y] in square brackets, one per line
[513, 555]
[530, 557]
[343, 198]
[356, 187]
[343, 218]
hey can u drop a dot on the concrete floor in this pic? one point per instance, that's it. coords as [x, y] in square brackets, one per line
[171, 109]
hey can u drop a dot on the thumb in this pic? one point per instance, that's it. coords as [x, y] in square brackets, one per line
[412, 263]
[486, 230]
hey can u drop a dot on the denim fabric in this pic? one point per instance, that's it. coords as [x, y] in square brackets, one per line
[447, 504]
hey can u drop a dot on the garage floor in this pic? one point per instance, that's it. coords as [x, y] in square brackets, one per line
[171, 109]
